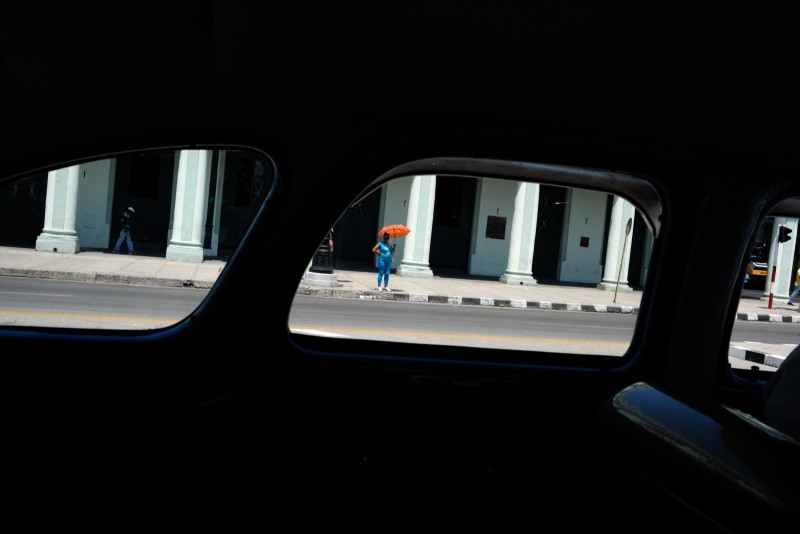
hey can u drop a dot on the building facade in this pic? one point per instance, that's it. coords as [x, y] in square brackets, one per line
[196, 204]
[190, 204]
[511, 231]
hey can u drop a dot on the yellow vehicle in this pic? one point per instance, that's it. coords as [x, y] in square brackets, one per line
[757, 267]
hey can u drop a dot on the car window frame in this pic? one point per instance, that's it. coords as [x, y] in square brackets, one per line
[642, 192]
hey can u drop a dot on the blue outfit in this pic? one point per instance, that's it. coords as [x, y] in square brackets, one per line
[384, 263]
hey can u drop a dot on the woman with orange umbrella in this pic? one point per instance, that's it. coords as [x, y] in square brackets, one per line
[385, 253]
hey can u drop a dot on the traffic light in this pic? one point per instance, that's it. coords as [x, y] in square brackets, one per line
[783, 234]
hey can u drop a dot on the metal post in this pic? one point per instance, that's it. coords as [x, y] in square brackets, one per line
[622, 256]
[322, 262]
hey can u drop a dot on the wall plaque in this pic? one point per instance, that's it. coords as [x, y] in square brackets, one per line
[496, 227]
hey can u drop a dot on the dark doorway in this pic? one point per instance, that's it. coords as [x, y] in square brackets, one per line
[636, 248]
[247, 180]
[549, 224]
[452, 222]
[144, 182]
[23, 201]
[355, 233]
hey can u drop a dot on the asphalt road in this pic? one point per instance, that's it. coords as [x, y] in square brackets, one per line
[69, 304]
[471, 326]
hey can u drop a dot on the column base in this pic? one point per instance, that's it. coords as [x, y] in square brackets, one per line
[518, 279]
[612, 286]
[321, 279]
[187, 253]
[65, 244]
[414, 271]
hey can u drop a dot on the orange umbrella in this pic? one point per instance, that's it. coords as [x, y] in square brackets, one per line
[395, 230]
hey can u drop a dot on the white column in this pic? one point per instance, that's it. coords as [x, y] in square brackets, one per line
[618, 248]
[416, 255]
[191, 194]
[784, 253]
[61, 204]
[786, 272]
[523, 236]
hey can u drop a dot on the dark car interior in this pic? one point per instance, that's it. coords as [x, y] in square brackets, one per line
[229, 415]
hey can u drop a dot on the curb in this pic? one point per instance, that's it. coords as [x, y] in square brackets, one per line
[756, 357]
[505, 303]
[768, 317]
[91, 276]
[465, 301]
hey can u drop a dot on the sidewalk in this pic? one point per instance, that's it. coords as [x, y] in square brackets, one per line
[104, 267]
[109, 268]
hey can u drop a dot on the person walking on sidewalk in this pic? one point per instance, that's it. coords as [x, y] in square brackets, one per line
[124, 224]
[385, 252]
[796, 288]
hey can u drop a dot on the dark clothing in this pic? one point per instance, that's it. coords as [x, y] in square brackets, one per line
[124, 225]
[124, 220]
